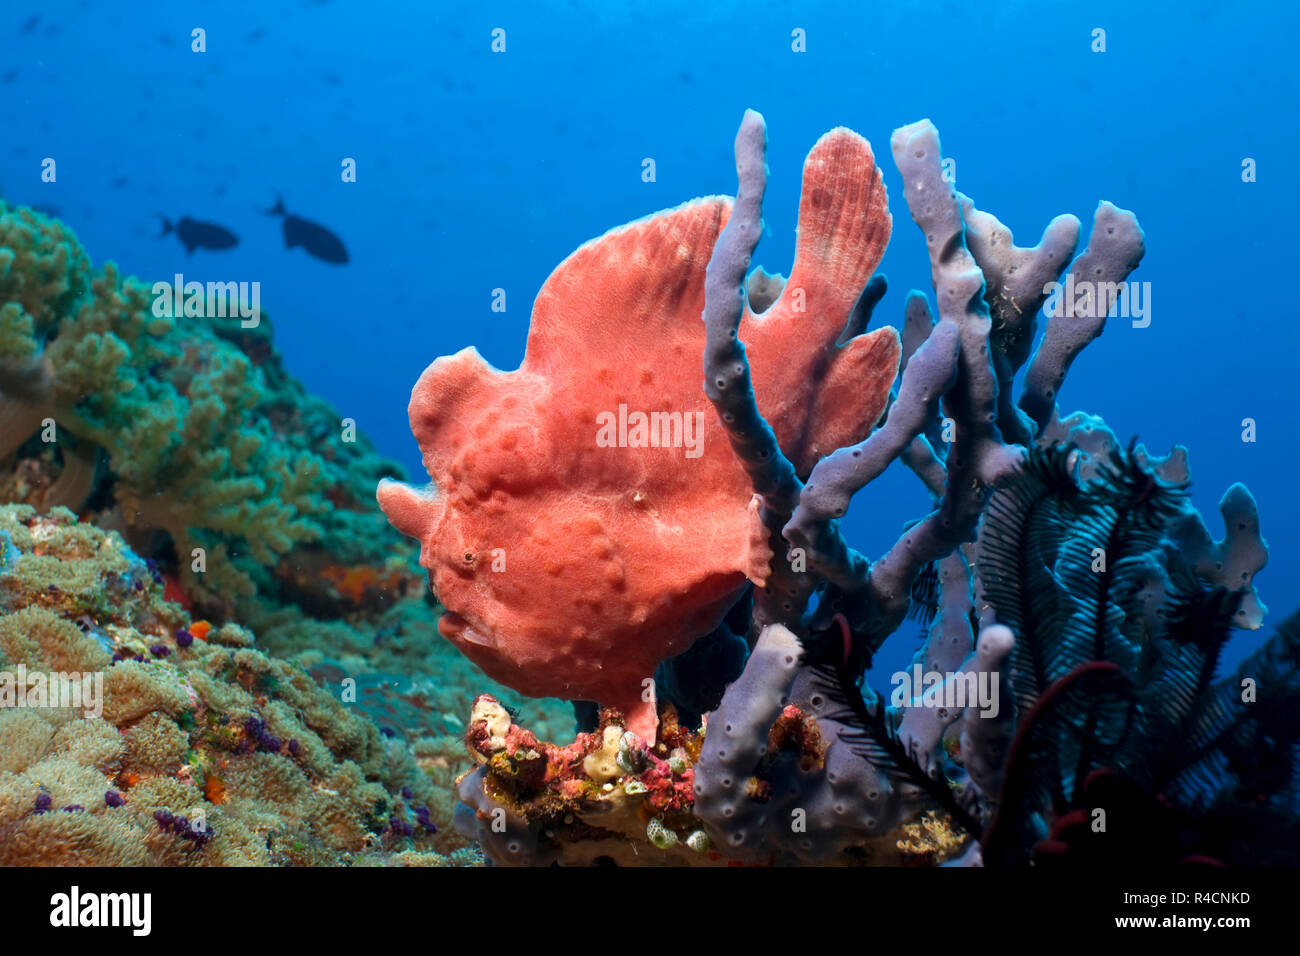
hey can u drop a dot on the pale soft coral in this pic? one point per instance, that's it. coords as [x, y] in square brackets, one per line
[570, 569]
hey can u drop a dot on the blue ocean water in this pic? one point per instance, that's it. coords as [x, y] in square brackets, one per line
[479, 170]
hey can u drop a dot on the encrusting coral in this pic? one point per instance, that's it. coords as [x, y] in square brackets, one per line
[205, 749]
[1075, 603]
[609, 798]
[202, 749]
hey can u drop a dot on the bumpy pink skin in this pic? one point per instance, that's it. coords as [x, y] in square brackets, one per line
[571, 570]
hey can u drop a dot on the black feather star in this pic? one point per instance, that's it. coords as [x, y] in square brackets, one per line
[1118, 641]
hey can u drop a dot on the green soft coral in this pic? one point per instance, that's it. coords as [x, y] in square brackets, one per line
[43, 268]
[17, 334]
[176, 410]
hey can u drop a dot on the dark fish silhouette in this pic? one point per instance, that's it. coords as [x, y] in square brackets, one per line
[199, 235]
[31, 24]
[315, 239]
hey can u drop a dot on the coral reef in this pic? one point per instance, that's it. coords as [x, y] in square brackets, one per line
[337, 736]
[207, 749]
[213, 653]
[1075, 603]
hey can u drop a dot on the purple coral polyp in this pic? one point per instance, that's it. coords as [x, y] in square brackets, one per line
[197, 833]
[256, 731]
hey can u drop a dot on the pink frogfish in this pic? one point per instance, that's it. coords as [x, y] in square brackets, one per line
[587, 518]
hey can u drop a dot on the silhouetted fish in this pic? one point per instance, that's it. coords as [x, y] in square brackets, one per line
[315, 239]
[199, 235]
[31, 24]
